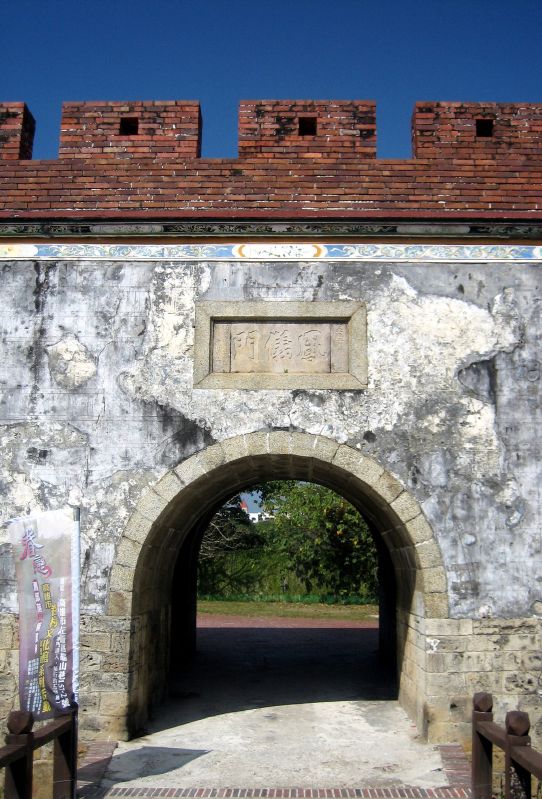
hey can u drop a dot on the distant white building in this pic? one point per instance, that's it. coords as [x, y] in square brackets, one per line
[255, 516]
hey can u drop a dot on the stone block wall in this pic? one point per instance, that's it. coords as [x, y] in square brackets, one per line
[498, 655]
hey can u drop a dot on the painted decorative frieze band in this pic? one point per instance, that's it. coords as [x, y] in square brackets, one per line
[274, 251]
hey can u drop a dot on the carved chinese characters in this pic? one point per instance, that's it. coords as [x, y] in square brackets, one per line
[280, 347]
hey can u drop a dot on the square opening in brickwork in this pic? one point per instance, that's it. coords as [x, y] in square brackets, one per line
[307, 126]
[484, 128]
[129, 126]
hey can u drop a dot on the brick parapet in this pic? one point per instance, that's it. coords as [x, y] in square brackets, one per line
[159, 130]
[508, 131]
[322, 166]
[246, 187]
[17, 128]
[307, 129]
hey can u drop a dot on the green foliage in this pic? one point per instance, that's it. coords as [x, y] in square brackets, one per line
[321, 537]
[315, 544]
[223, 564]
[230, 530]
[252, 572]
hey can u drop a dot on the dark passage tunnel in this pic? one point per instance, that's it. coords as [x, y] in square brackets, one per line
[221, 664]
[239, 668]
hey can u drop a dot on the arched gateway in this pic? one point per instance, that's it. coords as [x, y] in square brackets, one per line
[153, 579]
[307, 286]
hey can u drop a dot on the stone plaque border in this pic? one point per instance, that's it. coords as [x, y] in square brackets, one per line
[353, 314]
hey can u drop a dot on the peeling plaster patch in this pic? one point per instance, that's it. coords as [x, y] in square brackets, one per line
[204, 277]
[480, 455]
[173, 305]
[46, 451]
[419, 340]
[510, 328]
[277, 281]
[480, 378]
[70, 363]
[95, 571]
[516, 515]
[168, 339]
[182, 437]
[75, 497]
[321, 414]
[105, 510]
[433, 468]
[532, 371]
[23, 492]
[416, 344]
[512, 502]
[436, 422]
[41, 463]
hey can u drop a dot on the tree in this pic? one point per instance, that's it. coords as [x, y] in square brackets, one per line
[323, 538]
[223, 565]
[229, 530]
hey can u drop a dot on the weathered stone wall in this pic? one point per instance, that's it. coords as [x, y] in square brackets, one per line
[499, 655]
[98, 404]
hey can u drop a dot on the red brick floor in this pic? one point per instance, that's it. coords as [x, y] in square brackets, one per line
[93, 762]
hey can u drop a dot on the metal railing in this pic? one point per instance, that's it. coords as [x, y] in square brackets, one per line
[521, 762]
[17, 757]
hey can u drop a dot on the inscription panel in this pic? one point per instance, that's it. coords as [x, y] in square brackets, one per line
[280, 347]
[277, 345]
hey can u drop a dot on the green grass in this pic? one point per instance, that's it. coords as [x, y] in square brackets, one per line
[289, 598]
[312, 610]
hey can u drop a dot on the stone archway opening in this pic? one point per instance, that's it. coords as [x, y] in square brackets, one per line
[293, 542]
[291, 670]
[185, 592]
[163, 535]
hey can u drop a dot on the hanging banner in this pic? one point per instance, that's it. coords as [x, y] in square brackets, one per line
[46, 551]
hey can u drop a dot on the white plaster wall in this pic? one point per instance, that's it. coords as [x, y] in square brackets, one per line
[97, 400]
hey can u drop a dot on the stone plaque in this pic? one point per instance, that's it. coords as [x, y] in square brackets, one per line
[280, 345]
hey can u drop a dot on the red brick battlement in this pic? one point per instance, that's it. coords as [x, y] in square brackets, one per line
[307, 129]
[17, 127]
[477, 130]
[160, 130]
[296, 158]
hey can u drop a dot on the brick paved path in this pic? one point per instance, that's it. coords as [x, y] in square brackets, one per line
[456, 770]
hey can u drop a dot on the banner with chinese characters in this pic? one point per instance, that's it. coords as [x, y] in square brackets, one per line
[46, 551]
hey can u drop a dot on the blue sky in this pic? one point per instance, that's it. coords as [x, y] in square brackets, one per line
[221, 51]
